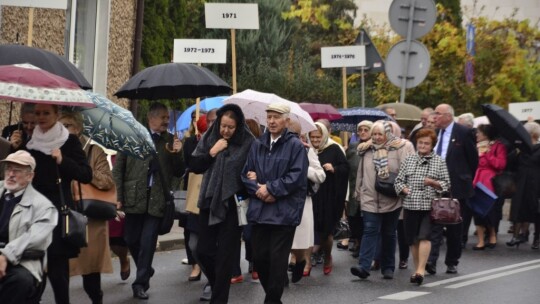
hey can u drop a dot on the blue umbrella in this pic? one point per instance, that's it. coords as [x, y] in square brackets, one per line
[115, 128]
[182, 123]
[353, 116]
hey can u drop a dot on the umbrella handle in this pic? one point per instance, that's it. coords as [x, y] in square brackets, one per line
[173, 150]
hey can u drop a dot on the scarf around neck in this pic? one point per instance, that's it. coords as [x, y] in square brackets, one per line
[326, 141]
[380, 152]
[47, 141]
[222, 179]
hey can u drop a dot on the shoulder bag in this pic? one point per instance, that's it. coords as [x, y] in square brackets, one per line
[445, 211]
[169, 211]
[386, 186]
[93, 202]
[74, 227]
[504, 184]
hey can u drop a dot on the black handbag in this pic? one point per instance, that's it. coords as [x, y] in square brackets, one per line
[342, 230]
[386, 186]
[74, 227]
[504, 184]
[74, 224]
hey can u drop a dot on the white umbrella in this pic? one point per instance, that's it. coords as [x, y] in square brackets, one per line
[254, 103]
[480, 120]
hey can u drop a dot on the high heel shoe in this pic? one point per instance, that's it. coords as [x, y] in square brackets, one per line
[479, 247]
[327, 269]
[515, 241]
[417, 279]
[307, 273]
[195, 277]
[491, 245]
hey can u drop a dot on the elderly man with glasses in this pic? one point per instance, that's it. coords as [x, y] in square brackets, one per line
[27, 219]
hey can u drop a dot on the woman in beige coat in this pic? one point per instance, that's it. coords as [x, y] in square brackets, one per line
[96, 257]
[381, 156]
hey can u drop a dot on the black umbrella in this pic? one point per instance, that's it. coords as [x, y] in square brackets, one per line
[173, 81]
[508, 126]
[45, 60]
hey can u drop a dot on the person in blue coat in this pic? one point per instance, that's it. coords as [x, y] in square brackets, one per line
[275, 176]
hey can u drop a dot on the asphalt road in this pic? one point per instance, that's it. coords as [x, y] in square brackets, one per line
[500, 275]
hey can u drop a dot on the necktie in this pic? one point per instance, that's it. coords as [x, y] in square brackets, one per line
[155, 137]
[8, 196]
[272, 145]
[441, 142]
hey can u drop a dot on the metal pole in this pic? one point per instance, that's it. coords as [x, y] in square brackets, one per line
[362, 81]
[405, 70]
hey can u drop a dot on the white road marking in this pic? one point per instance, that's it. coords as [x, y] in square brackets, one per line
[494, 276]
[405, 295]
[477, 274]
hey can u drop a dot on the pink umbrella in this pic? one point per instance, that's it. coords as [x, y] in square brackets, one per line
[27, 83]
[321, 110]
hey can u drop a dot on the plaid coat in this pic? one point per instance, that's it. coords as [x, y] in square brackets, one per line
[411, 175]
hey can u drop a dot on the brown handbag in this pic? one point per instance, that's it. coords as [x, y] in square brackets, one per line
[445, 211]
[93, 202]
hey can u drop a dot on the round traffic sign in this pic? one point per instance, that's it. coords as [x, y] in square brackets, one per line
[423, 18]
[418, 67]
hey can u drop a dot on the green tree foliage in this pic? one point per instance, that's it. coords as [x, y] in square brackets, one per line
[452, 13]
[506, 67]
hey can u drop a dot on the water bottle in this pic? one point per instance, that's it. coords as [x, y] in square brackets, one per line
[241, 209]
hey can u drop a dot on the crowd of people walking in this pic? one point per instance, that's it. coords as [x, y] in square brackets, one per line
[297, 187]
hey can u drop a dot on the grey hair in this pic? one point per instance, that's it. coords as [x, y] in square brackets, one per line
[533, 128]
[468, 119]
[155, 108]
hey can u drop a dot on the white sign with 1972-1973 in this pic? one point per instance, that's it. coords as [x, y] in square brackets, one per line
[200, 50]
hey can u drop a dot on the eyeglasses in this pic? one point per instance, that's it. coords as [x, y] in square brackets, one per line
[15, 170]
[363, 130]
[68, 125]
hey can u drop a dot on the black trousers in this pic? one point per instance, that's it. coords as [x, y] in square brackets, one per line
[271, 247]
[467, 216]
[454, 238]
[402, 242]
[17, 285]
[141, 233]
[217, 251]
[92, 286]
[58, 274]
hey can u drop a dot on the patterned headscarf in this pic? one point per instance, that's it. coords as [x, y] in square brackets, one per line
[380, 152]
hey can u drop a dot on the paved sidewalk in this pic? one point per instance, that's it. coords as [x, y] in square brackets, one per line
[172, 240]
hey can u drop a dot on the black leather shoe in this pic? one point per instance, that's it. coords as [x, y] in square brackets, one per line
[451, 269]
[359, 272]
[340, 245]
[431, 268]
[139, 293]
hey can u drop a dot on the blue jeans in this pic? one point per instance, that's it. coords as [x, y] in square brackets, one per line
[383, 226]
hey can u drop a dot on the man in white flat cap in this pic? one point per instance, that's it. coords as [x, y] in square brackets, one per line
[27, 219]
[275, 175]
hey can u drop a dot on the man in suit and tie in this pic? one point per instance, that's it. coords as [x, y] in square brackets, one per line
[456, 144]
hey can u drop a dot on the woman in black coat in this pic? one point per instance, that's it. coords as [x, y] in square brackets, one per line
[524, 208]
[329, 201]
[58, 154]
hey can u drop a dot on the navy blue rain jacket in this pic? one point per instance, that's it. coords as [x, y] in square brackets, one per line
[284, 171]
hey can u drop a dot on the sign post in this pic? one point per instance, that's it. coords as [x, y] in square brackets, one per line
[343, 57]
[199, 51]
[232, 16]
